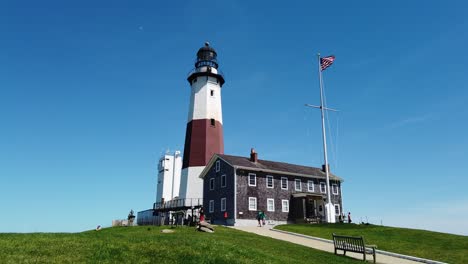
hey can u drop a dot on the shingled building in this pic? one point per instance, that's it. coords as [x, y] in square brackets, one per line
[236, 188]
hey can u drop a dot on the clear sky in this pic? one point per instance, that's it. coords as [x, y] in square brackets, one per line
[91, 94]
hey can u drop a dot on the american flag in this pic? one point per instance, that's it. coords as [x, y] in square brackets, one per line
[326, 62]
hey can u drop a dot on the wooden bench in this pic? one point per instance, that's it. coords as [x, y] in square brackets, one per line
[353, 244]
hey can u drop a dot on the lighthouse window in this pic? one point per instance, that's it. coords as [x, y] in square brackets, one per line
[212, 122]
[212, 92]
[195, 80]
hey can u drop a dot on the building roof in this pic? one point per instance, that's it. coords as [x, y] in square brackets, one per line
[271, 166]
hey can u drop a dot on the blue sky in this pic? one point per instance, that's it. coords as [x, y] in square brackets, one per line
[91, 94]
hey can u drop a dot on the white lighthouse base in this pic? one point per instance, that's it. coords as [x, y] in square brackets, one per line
[191, 186]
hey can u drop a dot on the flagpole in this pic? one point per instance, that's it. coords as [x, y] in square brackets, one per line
[329, 205]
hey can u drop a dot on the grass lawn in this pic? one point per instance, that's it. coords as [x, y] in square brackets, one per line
[420, 243]
[149, 245]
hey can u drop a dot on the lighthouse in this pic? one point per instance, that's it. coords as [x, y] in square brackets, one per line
[204, 133]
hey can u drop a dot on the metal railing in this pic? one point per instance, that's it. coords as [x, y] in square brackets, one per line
[179, 203]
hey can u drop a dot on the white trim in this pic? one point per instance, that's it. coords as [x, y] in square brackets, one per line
[295, 185]
[211, 206]
[332, 176]
[225, 182]
[223, 200]
[212, 187]
[286, 178]
[218, 165]
[325, 187]
[333, 189]
[217, 157]
[272, 182]
[255, 178]
[310, 183]
[268, 205]
[253, 199]
[283, 208]
[339, 209]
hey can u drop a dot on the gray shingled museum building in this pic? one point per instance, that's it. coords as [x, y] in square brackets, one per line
[236, 188]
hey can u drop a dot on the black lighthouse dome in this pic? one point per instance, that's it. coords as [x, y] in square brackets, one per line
[206, 56]
[206, 65]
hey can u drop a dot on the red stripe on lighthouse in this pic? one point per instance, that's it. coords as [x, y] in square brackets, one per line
[202, 141]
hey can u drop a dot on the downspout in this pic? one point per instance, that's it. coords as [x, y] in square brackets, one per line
[235, 194]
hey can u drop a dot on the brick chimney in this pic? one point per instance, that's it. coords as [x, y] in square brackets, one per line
[323, 168]
[253, 155]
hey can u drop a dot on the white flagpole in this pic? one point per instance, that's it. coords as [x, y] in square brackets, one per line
[329, 206]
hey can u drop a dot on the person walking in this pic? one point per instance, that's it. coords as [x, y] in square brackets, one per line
[260, 217]
[349, 218]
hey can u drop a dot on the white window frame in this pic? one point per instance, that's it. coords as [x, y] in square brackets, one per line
[325, 185]
[284, 178]
[295, 184]
[225, 182]
[255, 178]
[272, 204]
[211, 206]
[339, 209]
[218, 165]
[285, 209]
[309, 184]
[253, 199]
[272, 181]
[212, 187]
[223, 202]
[333, 189]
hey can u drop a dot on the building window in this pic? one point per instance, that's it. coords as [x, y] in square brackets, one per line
[310, 186]
[212, 184]
[195, 80]
[320, 208]
[212, 92]
[269, 181]
[284, 183]
[252, 204]
[335, 189]
[270, 205]
[212, 122]
[285, 206]
[337, 210]
[218, 165]
[211, 208]
[252, 179]
[323, 187]
[297, 185]
[223, 204]
[223, 180]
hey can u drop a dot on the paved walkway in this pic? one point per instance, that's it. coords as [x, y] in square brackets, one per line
[320, 245]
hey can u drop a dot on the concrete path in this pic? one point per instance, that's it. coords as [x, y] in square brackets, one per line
[320, 245]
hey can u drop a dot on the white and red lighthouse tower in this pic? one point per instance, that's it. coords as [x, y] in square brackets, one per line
[204, 134]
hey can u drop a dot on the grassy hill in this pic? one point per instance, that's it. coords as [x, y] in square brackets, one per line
[420, 243]
[149, 245]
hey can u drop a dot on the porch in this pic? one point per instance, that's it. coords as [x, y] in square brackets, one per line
[308, 208]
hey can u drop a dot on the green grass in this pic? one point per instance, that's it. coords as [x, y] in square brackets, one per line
[149, 245]
[420, 243]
